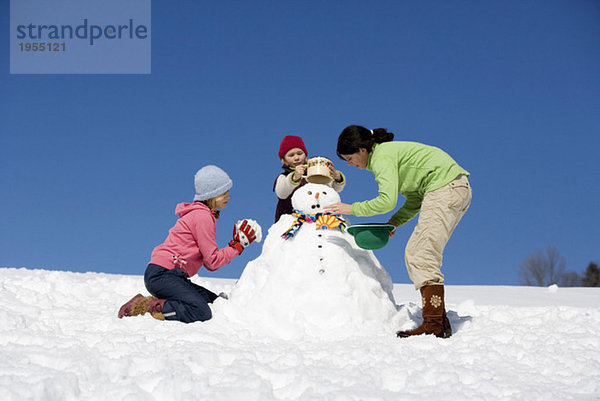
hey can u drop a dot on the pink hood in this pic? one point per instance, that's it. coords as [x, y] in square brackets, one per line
[184, 208]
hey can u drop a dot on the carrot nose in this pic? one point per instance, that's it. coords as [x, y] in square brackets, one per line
[317, 195]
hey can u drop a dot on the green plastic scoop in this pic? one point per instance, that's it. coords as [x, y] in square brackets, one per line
[371, 235]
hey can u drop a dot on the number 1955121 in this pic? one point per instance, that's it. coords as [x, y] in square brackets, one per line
[42, 47]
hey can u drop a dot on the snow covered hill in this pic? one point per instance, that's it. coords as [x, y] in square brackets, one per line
[61, 339]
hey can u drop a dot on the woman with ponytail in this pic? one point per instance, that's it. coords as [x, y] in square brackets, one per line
[434, 185]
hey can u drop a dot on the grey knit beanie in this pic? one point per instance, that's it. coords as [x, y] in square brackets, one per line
[211, 181]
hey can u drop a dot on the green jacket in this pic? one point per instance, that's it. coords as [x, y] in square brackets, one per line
[411, 169]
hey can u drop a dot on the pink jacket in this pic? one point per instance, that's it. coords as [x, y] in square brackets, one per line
[192, 243]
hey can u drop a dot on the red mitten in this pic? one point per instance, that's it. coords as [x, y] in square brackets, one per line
[238, 247]
[246, 232]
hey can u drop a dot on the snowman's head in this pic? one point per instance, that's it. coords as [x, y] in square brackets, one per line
[312, 198]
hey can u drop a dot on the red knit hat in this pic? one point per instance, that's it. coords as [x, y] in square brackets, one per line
[290, 142]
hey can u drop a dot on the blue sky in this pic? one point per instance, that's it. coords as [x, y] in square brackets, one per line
[93, 165]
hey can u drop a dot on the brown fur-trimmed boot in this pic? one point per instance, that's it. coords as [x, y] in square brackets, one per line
[127, 308]
[434, 314]
[139, 305]
[155, 308]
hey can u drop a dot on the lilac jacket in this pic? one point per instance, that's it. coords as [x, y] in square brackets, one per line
[192, 243]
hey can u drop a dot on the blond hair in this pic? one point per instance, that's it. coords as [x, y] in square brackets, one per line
[212, 203]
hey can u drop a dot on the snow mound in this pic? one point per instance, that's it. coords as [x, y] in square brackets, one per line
[316, 283]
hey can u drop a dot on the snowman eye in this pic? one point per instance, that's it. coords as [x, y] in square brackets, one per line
[310, 192]
[324, 193]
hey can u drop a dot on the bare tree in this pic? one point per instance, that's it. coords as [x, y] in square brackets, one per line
[570, 279]
[542, 269]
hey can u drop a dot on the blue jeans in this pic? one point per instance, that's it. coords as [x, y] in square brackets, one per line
[185, 301]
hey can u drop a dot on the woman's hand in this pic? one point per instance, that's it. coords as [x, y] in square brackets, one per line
[339, 208]
[393, 232]
[334, 173]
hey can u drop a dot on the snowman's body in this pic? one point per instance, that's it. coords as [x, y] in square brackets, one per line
[315, 281]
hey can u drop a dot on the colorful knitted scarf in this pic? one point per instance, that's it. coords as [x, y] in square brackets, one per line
[323, 221]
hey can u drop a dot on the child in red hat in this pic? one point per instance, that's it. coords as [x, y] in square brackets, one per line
[292, 153]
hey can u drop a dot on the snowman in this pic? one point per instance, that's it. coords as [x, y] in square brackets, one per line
[311, 278]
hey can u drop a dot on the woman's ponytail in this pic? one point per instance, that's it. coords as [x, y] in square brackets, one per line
[381, 135]
[355, 137]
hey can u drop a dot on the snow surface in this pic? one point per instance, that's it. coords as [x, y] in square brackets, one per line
[61, 340]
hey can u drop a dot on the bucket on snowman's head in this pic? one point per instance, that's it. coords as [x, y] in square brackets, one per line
[317, 170]
[372, 235]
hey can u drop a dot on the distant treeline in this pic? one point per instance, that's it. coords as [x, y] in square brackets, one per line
[547, 268]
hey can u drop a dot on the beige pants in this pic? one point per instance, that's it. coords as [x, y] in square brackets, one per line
[441, 211]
